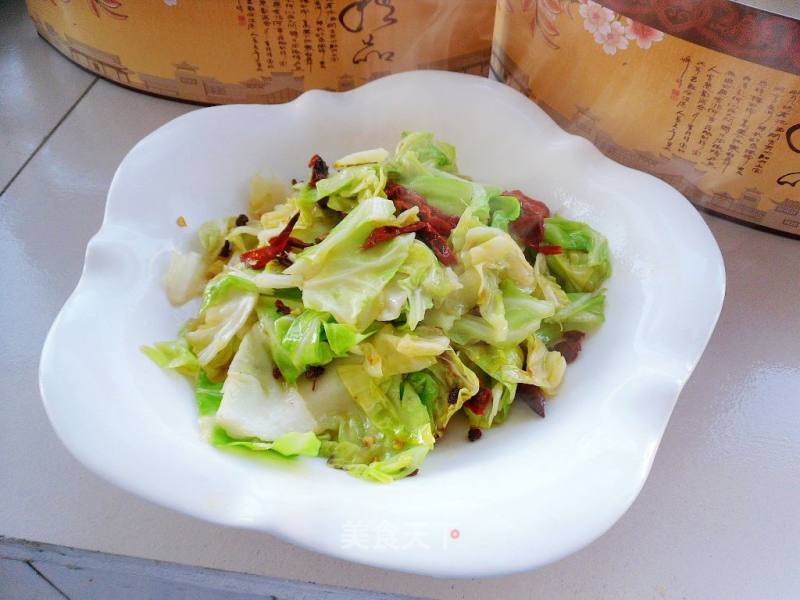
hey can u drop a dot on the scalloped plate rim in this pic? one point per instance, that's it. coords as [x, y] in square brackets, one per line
[438, 567]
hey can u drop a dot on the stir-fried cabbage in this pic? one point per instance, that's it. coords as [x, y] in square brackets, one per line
[584, 262]
[340, 318]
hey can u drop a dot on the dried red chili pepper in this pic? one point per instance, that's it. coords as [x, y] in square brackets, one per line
[319, 170]
[399, 204]
[480, 401]
[438, 244]
[259, 257]
[549, 249]
[423, 214]
[283, 260]
[386, 233]
[529, 226]
[441, 226]
[426, 233]
[297, 243]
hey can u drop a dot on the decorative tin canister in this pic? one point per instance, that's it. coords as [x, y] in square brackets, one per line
[704, 94]
[215, 51]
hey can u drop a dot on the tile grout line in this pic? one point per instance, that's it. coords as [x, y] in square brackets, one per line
[47, 137]
[50, 583]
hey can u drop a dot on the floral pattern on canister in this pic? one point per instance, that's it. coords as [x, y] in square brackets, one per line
[643, 34]
[610, 30]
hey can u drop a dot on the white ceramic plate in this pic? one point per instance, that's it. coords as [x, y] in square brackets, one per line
[532, 490]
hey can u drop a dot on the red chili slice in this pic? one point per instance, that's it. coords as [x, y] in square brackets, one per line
[319, 170]
[259, 257]
[529, 226]
[549, 249]
[386, 233]
[480, 401]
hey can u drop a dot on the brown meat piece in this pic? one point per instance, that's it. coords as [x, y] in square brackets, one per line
[529, 226]
[570, 345]
[532, 396]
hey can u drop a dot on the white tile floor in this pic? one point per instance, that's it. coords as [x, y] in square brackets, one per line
[39, 87]
[716, 519]
[20, 580]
